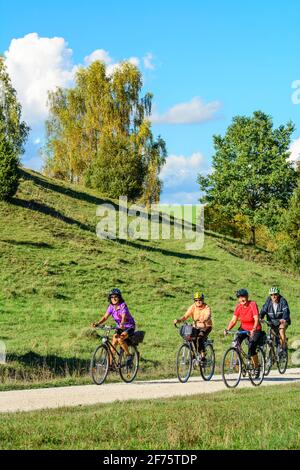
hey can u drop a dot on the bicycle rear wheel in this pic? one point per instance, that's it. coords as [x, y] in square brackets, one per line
[128, 368]
[256, 375]
[184, 363]
[268, 359]
[99, 364]
[282, 362]
[207, 368]
[231, 368]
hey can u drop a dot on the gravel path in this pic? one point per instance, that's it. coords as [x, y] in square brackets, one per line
[38, 399]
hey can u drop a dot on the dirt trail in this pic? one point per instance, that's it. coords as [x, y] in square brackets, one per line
[38, 399]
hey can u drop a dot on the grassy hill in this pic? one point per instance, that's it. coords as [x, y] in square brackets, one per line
[55, 275]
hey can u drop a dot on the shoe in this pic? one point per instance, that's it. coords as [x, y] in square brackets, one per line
[256, 373]
[129, 362]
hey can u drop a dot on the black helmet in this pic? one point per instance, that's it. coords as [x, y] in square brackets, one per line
[242, 293]
[115, 292]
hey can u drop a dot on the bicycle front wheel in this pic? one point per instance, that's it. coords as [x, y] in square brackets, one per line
[256, 374]
[128, 367]
[99, 365]
[232, 368]
[282, 362]
[268, 359]
[207, 368]
[184, 363]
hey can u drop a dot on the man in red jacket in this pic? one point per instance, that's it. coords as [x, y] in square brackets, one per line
[247, 312]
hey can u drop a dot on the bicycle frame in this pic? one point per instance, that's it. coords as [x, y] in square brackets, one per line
[238, 346]
[107, 342]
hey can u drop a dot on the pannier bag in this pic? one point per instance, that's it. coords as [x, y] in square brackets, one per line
[137, 338]
[186, 331]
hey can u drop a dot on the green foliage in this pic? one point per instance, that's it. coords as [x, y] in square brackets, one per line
[99, 132]
[252, 175]
[289, 246]
[13, 134]
[11, 126]
[117, 170]
[9, 176]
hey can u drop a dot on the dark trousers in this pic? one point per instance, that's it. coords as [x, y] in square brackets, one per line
[253, 342]
[201, 334]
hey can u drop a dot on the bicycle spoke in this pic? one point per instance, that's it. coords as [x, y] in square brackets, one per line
[231, 368]
[184, 363]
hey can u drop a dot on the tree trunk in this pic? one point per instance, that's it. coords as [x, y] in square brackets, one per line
[253, 236]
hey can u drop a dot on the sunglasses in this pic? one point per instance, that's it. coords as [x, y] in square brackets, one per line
[114, 297]
[198, 300]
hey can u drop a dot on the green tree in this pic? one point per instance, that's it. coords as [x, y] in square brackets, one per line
[9, 176]
[251, 173]
[289, 248]
[13, 135]
[99, 133]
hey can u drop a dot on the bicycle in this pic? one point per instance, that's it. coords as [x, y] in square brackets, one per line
[236, 364]
[273, 352]
[103, 361]
[188, 356]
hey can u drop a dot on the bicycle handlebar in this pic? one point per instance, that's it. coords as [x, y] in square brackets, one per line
[106, 327]
[238, 331]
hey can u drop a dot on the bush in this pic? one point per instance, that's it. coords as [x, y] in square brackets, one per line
[9, 172]
[118, 170]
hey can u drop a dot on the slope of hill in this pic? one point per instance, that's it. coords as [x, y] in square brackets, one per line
[55, 275]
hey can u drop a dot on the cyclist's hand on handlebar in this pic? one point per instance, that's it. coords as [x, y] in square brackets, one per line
[175, 322]
[94, 325]
[225, 332]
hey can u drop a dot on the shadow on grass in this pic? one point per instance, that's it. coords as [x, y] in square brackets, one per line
[40, 181]
[235, 241]
[27, 243]
[46, 210]
[57, 365]
[150, 249]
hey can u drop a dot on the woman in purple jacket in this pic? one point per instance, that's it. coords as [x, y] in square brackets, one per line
[125, 323]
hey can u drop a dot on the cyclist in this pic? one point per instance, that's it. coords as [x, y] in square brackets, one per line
[247, 312]
[124, 321]
[277, 311]
[201, 314]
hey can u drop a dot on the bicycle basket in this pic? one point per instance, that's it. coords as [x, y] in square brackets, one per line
[137, 338]
[186, 331]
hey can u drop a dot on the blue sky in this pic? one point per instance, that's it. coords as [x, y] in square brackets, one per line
[229, 57]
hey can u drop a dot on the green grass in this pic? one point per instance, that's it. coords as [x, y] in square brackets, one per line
[55, 275]
[265, 418]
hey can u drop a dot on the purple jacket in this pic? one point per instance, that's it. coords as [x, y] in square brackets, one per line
[117, 315]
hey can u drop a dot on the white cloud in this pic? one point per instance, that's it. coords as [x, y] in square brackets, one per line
[148, 61]
[295, 151]
[98, 54]
[182, 171]
[104, 56]
[37, 65]
[191, 112]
